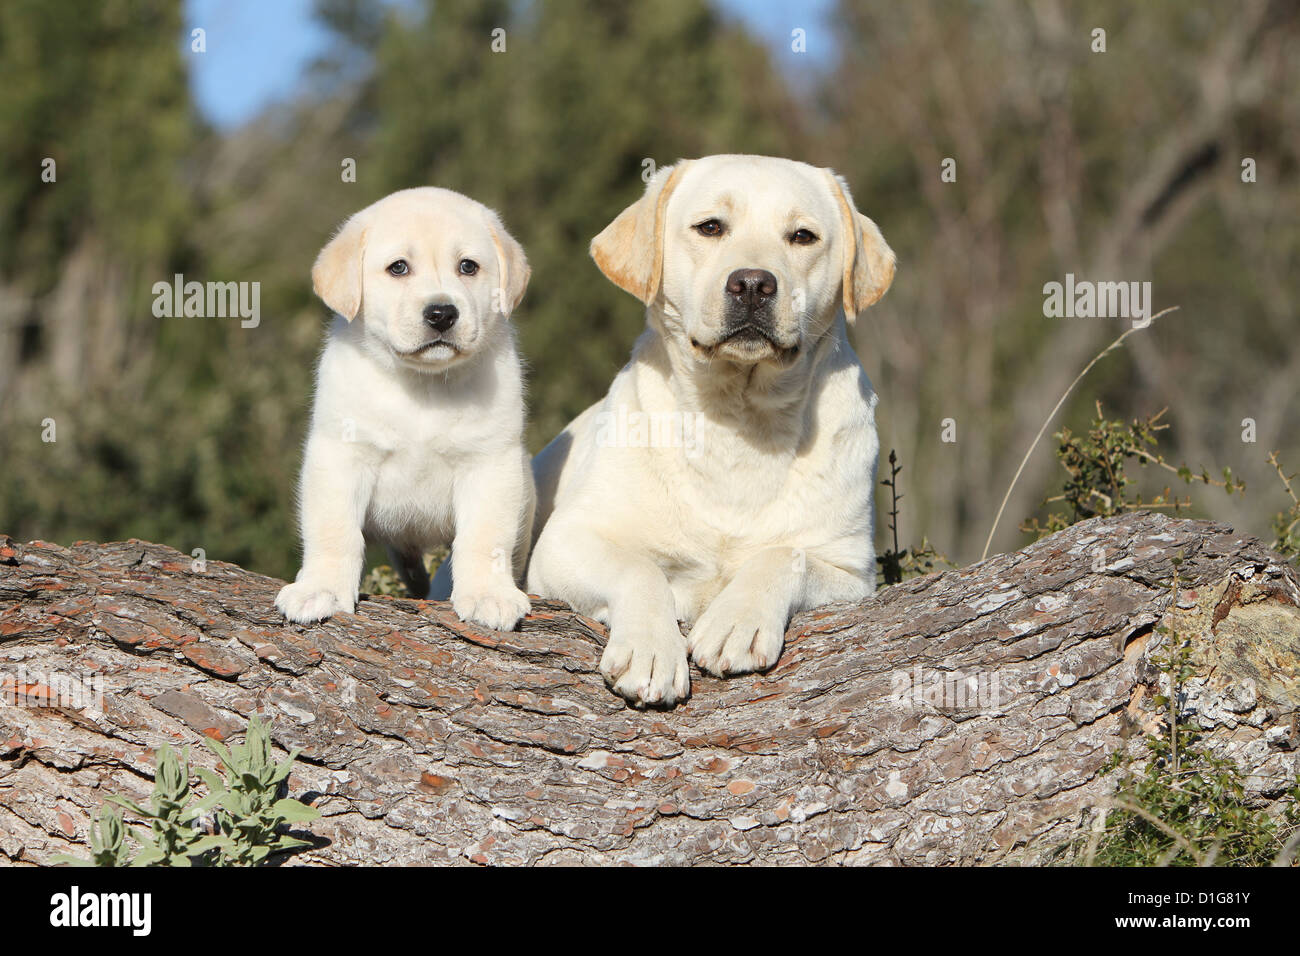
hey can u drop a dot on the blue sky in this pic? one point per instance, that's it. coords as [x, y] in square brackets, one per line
[258, 50]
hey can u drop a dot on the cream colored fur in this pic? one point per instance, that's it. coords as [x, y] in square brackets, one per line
[416, 436]
[768, 510]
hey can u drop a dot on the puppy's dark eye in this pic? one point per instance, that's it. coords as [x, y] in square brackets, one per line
[710, 227]
[803, 237]
[398, 268]
[468, 267]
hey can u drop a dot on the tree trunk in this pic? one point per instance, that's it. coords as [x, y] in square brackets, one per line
[961, 717]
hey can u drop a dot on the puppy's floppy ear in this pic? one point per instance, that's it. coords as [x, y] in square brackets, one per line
[630, 250]
[868, 260]
[512, 264]
[336, 276]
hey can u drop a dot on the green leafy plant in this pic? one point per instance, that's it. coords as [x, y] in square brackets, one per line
[239, 823]
[1184, 806]
[172, 839]
[250, 812]
[1097, 483]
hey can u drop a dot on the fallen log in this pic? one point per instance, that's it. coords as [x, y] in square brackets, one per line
[960, 717]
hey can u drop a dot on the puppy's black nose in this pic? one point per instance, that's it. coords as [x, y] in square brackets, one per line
[752, 287]
[440, 317]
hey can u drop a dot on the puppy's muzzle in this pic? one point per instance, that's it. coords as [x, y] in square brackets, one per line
[440, 318]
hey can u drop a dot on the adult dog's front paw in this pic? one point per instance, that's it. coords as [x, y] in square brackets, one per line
[499, 608]
[306, 602]
[646, 664]
[738, 633]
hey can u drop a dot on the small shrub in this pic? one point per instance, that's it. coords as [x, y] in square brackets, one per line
[1097, 483]
[249, 811]
[244, 812]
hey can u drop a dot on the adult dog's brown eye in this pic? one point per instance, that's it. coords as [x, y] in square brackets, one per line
[803, 237]
[468, 267]
[398, 268]
[710, 227]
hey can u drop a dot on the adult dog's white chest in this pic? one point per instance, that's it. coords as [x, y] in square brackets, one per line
[710, 502]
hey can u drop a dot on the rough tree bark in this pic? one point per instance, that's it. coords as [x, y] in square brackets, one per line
[426, 740]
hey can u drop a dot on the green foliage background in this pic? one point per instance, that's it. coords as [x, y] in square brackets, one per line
[1123, 164]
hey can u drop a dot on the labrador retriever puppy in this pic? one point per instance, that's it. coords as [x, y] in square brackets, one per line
[416, 433]
[726, 479]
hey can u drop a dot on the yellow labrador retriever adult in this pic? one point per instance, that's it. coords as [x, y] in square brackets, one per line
[417, 427]
[726, 479]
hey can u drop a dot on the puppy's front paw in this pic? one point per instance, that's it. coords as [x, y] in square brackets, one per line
[305, 602]
[645, 664]
[499, 608]
[738, 633]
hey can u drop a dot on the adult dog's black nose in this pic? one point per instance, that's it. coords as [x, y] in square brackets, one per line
[751, 287]
[440, 317]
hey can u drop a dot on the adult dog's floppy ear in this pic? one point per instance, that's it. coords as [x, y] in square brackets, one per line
[868, 260]
[336, 276]
[512, 265]
[630, 250]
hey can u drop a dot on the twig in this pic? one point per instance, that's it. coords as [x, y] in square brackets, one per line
[1286, 481]
[894, 469]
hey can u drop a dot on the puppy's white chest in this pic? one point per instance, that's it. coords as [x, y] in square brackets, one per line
[414, 440]
[425, 466]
